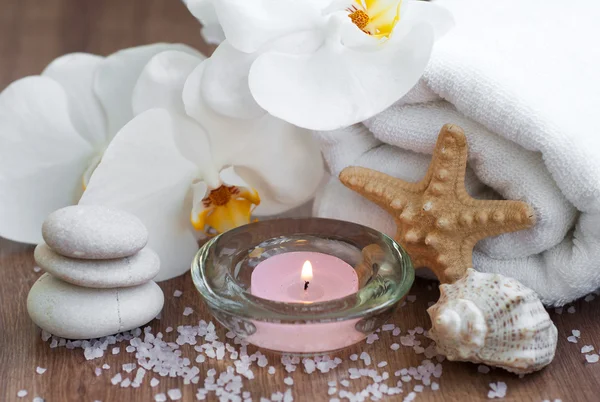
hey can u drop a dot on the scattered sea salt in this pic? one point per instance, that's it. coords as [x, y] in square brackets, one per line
[168, 329]
[125, 383]
[115, 351]
[160, 397]
[483, 369]
[38, 399]
[36, 269]
[558, 310]
[174, 394]
[364, 356]
[587, 348]
[354, 357]
[418, 388]
[498, 390]
[130, 349]
[40, 370]
[98, 371]
[116, 379]
[396, 331]
[388, 327]
[271, 370]
[154, 382]
[411, 298]
[572, 339]
[435, 386]
[589, 298]
[177, 293]
[288, 381]
[593, 358]
[394, 346]
[576, 333]
[382, 364]
[372, 338]
[22, 393]
[187, 311]
[571, 310]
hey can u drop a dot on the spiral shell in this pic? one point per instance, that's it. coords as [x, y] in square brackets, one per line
[494, 320]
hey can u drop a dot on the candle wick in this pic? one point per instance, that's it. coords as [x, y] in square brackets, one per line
[306, 285]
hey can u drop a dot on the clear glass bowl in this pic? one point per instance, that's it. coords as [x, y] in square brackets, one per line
[223, 268]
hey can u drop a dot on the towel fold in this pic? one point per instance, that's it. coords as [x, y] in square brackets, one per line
[521, 79]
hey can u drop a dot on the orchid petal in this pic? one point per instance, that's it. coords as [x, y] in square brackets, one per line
[42, 156]
[230, 178]
[204, 11]
[337, 86]
[414, 12]
[225, 85]
[283, 163]
[143, 172]
[160, 84]
[117, 75]
[75, 73]
[249, 25]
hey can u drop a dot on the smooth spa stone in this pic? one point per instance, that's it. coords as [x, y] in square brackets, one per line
[116, 273]
[75, 312]
[94, 232]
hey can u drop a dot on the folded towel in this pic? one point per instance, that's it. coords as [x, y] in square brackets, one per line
[521, 78]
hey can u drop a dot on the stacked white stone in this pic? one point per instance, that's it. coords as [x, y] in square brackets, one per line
[98, 274]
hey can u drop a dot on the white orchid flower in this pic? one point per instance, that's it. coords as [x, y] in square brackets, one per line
[319, 64]
[54, 128]
[184, 170]
[203, 10]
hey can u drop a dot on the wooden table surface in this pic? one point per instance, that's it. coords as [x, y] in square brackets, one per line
[32, 33]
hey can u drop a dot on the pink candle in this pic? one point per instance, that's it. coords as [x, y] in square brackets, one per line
[287, 278]
[284, 277]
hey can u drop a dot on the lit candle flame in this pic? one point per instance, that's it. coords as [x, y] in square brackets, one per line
[307, 274]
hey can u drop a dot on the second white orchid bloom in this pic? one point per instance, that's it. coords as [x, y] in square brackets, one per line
[319, 64]
[185, 170]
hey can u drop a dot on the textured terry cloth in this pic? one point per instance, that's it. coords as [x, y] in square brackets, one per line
[522, 79]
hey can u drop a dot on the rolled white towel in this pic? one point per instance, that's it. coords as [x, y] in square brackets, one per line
[521, 79]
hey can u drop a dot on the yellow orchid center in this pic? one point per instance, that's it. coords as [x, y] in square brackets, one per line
[375, 17]
[224, 208]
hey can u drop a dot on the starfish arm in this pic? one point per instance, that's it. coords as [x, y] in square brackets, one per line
[446, 173]
[388, 192]
[492, 218]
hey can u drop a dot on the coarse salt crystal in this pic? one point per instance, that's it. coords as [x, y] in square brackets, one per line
[177, 293]
[154, 382]
[593, 358]
[36, 269]
[418, 388]
[160, 397]
[174, 394]
[38, 399]
[388, 327]
[435, 386]
[395, 346]
[483, 369]
[115, 351]
[587, 348]
[169, 329]
[396, 331]
[288, 381]
[372, 338]
[411, 298]
[572, 339]
[571, 310]
[271, 370]
[130, 349]
[331, 391]
[40, 370]
[187, 311]
[558, 310]
[98, 371]
[345, 383]
[354, 357]
[382, 364]
[498, 390]
[22, 393]
[128, 367]
[576, 333]
[364, 356]
[589, 298]
[116, 379]
[125, 383]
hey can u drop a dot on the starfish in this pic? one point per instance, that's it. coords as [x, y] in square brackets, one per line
[438, 223]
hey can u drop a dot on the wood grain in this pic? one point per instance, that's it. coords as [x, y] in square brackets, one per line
[32, 33]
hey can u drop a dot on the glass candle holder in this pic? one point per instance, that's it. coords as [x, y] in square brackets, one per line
[222, 273]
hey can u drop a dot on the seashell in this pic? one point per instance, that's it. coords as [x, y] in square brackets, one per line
[494, 320]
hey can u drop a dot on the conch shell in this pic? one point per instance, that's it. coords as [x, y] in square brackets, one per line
[494, 320]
